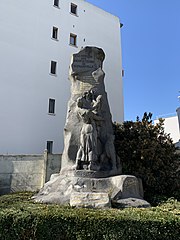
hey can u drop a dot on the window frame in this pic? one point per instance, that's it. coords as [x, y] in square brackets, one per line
[75, 7]
[74, 37]
[49, 147]
[52, 106]
[53, 68]
[55, 31]
[56, 5]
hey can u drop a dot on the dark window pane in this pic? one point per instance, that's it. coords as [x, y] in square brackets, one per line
[49, 146]
[73, 8]
[52, 106]
[53, 67]
[56, 3]
[55, 33]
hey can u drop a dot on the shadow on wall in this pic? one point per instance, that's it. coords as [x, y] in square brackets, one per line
[27, 172]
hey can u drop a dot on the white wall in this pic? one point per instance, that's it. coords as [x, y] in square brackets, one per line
[26, 85]
[171, 126]
[178, 113]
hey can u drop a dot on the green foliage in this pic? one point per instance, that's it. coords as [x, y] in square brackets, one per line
[146, 151]
[21, 219]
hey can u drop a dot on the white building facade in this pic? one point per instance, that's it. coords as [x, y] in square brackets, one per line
[178, 113]
[172, 127]
[37, 39]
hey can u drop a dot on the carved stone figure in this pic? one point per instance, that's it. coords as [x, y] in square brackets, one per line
[88, 109]
[87, 152]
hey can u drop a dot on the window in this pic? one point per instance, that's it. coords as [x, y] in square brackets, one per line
[122, 72]
[73, 39]
[55, 33]
[51, 108]
[53, 67]
[73, 9]
[56, 3]
[49, 146]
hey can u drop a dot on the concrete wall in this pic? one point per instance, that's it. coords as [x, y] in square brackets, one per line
[26, 172]
[27, 48]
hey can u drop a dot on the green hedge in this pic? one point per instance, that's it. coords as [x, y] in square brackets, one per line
[20, 219]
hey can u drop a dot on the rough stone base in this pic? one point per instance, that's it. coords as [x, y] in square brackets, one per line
[90, 200]
[91, 192]
[89, 173]
[130, 202]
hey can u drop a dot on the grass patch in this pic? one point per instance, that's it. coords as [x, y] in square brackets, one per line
[21, 218]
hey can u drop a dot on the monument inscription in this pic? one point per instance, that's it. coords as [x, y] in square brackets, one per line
[84, 62]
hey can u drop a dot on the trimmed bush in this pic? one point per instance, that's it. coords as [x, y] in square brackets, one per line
[22, 219]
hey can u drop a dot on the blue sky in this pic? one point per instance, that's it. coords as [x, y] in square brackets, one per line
[151, 54]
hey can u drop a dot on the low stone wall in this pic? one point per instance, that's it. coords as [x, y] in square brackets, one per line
[27, 172]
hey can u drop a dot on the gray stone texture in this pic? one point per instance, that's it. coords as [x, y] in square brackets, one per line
[130, 202]
[88, 132]
[90, 200]
[60, 188]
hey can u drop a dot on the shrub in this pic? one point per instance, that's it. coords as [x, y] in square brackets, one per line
[21, 219]
[146, 151]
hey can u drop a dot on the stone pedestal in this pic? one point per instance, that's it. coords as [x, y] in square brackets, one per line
[92, 192]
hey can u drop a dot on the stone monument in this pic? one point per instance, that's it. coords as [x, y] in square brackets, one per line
[90, 175]
[88, 132]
